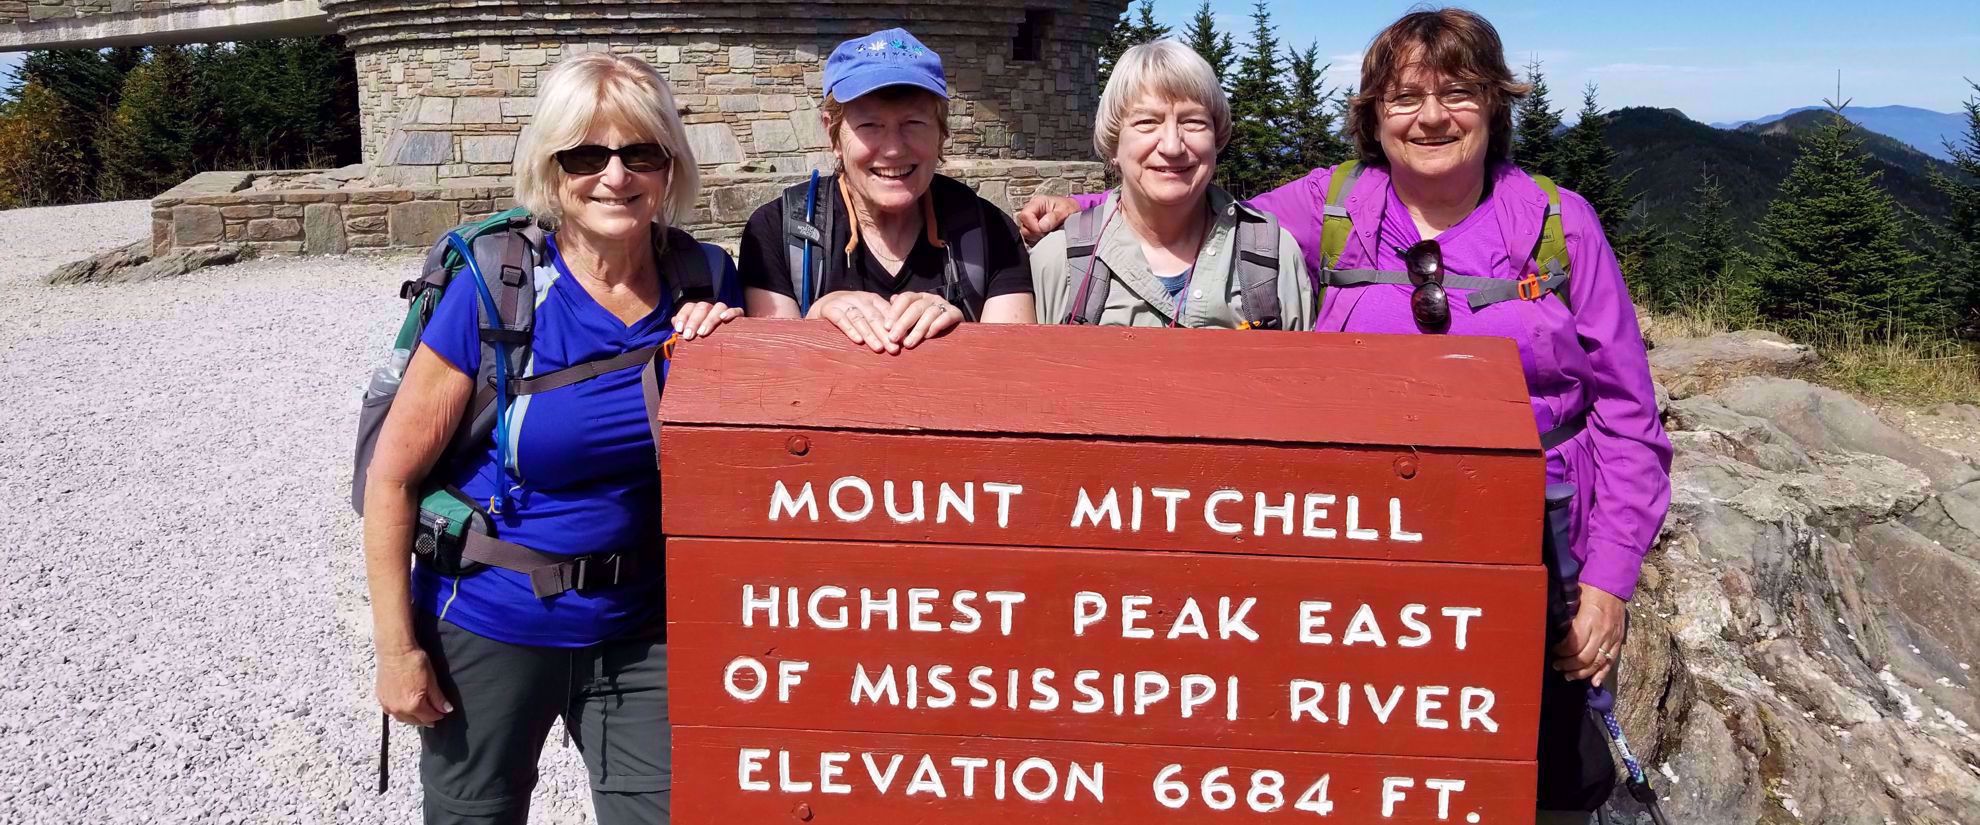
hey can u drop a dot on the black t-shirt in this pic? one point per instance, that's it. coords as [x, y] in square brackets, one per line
[765, 263]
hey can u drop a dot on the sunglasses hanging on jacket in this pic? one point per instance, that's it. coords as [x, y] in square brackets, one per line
[1429, 303]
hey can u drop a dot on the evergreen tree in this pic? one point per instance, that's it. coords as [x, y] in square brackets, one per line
[1584, 162]
[1136, 26]
[1311, 128]
[1833, 251]
[1958, 261]
[1702, 261]
[1216, 48]
[284, 103]
[1255, 160]
[1536, 126]
[82, 87]
[152, 142]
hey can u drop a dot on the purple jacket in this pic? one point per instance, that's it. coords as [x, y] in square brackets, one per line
[1589, 360]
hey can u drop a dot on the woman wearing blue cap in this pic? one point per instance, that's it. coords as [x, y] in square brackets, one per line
[884, 248]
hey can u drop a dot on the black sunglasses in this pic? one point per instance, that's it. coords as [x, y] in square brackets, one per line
[1429, 303]
[590, 159]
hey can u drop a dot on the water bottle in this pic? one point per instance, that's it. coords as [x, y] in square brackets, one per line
[385, 380]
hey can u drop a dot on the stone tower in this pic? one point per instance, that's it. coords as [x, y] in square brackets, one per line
[447, 85]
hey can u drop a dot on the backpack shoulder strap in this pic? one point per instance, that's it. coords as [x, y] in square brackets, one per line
[1258, 268]
[1552, 254]
[1090, 277]
[808, 240]
[1336, 225]
[690, 268]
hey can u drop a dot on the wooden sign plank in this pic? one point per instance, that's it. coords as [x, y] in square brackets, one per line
[1325, 502]
[1101, 645]
[1422, 390]
[728, 775]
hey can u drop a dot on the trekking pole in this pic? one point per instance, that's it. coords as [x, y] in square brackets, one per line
[1563, 601]
[384, 751]
[1603, 701]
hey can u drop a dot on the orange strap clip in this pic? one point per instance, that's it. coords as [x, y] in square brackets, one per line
[1534, 287]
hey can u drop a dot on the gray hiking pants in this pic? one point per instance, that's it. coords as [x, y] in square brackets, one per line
[479, 763]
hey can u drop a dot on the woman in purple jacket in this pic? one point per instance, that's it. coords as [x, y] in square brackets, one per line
[1433, 125]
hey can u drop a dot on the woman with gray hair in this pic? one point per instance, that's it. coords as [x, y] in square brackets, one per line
[549, 605]
[1169, 248]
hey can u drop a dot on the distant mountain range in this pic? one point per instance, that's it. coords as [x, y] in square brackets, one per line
[1668, 153]
[1922, 129]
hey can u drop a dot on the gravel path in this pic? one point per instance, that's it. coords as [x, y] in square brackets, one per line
[184, 635]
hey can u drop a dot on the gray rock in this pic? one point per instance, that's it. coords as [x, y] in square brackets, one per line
[133, 262]
[488, 148]
[773, 136]
[101, 267]
[1691, 365]
[1823, 419]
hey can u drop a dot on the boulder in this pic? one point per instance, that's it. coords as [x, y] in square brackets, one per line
[134, 262]
[1692, 365]
[1802, 645]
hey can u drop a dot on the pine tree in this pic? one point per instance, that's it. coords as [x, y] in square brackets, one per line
[1958, 261]
[1833, 252]
[1255, 160]
[152, 141]
[1216, 48]
[1536, 127]
[283, 103]
[1702, 261]
[1136, 26]
[1311, 126]
[1584, 162]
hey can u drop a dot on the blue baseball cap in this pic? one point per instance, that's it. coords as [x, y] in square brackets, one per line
[885, 58]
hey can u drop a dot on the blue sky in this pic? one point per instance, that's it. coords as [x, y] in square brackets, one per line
[1716, 61]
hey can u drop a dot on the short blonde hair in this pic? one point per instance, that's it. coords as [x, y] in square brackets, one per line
[1168, 70]
[602, 88]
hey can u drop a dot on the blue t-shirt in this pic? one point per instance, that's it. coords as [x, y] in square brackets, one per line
[585, 455]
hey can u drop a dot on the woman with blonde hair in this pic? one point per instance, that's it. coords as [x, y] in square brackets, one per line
[1169, 248]
[549, 606]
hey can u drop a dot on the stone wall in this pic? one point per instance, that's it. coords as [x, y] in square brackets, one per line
[450, 114]
[315, 213]
[71, 24]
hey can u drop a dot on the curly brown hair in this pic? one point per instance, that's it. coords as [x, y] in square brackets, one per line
[1456, 43]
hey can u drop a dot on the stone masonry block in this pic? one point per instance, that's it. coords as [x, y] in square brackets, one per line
[418, 223]
[274, 229]
[424, 149]
[528, 57]
[323, 230]
[809, 130]
[742, 57]
[196, 225]
[438, 110]
[478, 110]
[714, 143]
[488, 148]
[773, 136]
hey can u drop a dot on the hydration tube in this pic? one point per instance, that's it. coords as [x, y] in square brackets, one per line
[461, 247]
[810, 217]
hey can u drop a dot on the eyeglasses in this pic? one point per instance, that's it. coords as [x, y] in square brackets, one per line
[1453, 99]
[590, 159]
[1429, 303]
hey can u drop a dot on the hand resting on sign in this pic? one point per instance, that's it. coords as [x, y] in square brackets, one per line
[697, 319]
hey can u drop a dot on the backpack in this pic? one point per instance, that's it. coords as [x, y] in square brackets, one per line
[1549, 276]
[500, 256]
[1257, 267]
[811, 211]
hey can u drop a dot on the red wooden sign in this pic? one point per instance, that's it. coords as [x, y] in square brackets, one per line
[1019, 573]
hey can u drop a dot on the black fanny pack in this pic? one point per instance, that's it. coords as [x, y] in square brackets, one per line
[456, 538]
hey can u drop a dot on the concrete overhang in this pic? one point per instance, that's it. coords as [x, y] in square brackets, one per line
[245, 20]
